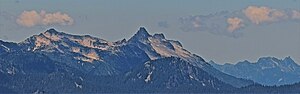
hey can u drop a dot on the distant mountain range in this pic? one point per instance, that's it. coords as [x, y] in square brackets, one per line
[56, 62]
[266, 71]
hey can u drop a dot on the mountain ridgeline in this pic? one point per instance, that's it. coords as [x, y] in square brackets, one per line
[55, 62]
[268, 71]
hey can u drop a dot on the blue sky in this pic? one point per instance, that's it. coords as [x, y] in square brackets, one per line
[202, 26]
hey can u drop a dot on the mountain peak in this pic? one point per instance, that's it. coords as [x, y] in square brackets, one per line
[273, 61]
[267, 59]
[288, 58]
[246, 61]
[269, 71]
[142, 32]
[51, 31]
[159, 36]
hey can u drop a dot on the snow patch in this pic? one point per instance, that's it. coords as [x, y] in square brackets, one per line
[191, 76]
[148, 77]
[11, 71]
[81, 78]
[87, 56]
[78, 85]
[95, 43]
[85, 41]
[103, 48]
[85, 59]
[37, 92]
[92, 55]
[280, 80]
[203, 84]
[6, 48]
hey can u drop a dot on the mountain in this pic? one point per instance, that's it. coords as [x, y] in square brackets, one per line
[7, 47]
[89, 54]
[53, 62]
[157, 46]
[266, 71]
[173, 74]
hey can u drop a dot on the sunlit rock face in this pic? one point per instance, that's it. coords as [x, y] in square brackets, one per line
[157, 46]
[52, 36]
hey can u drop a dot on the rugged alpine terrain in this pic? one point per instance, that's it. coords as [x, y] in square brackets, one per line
[53, 62]
[266, 71]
